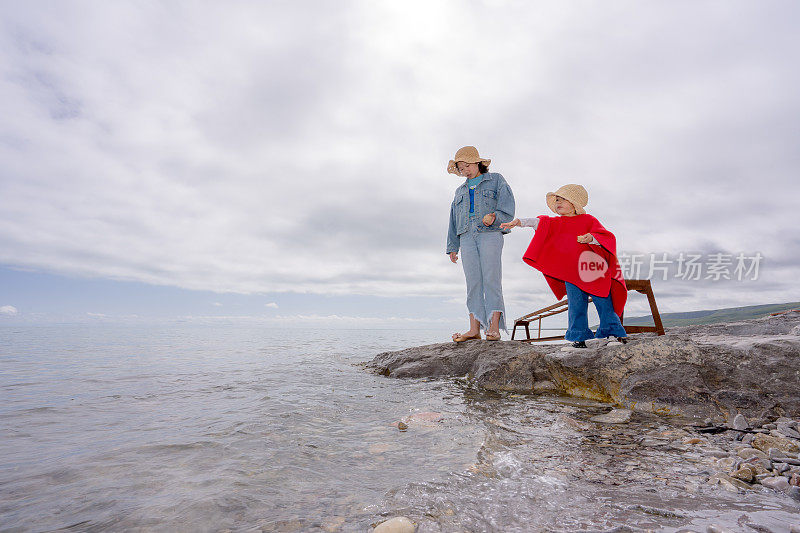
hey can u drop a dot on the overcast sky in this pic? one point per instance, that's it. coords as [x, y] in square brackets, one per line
[289, 158]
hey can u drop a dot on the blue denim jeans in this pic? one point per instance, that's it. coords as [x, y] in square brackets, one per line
[578, 329]
[481, 254]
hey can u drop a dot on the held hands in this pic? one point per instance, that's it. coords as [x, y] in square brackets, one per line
[585, 239]
[509, 225]
[454, 256]
[489, 219]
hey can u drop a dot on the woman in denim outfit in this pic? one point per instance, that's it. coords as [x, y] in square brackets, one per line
[480, 205]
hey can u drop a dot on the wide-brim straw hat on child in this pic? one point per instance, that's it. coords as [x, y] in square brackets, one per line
[468, 154]
[573, 193]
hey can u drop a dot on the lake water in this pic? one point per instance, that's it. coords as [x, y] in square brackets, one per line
[205, 428]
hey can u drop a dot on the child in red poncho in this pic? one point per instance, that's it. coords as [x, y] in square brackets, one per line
[578, 258]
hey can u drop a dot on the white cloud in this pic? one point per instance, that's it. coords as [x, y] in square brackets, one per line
[278, 153]
[217, 304]
[9, 310]
[271, 305]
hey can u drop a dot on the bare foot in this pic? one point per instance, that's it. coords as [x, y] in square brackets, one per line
[461, 337]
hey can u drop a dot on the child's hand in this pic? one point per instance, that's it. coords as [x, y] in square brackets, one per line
[585, 239]
[509, 225]
[489, 219]
[453, 256]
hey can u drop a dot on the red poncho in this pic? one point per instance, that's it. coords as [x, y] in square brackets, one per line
[556, 252]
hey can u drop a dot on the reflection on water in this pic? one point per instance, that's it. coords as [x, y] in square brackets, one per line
[210, 428]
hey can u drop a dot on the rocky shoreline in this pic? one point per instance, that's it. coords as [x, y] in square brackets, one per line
[732, 388]
[715, 371]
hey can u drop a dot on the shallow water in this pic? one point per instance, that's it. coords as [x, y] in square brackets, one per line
[205, 428]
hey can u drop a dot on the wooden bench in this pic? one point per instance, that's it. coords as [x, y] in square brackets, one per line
[642, 286]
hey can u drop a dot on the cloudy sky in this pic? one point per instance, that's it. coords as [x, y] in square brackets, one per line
[285, 161]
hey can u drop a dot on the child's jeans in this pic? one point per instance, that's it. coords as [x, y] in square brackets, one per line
[480, 256]
[577, 312]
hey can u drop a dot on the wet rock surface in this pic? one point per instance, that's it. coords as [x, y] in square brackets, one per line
[711, 371]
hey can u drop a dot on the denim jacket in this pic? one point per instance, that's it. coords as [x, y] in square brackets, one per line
[492, 195]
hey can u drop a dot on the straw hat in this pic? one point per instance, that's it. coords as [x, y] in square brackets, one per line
[572, 192]
[468, 154]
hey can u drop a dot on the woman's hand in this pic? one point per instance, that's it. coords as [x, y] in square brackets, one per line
[454, 256]
[509, 225]
[585, 239]
[489, 219]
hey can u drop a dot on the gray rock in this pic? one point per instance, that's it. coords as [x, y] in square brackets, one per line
[731, 484]
[615, 416]
[794, 528]
[764, 464]
[775, 453]
[776, 483]
[740, 422]
[709, 371]
[780, 468]
[791, 460]
[747, 453]
[760, 477]
[786, 430]
[747, 439]
[716, 452]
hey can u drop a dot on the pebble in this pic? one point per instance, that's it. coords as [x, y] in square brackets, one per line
[745, 473]
[788, 431]
[763, 463]
[794, 528]
[795, 480]
[765, 442]
[398, 524]
[775, 453]
[740, 422]
[779, 468]
[716, 452]
[747, 439]
[761, 477]
[791, 460]
[758, 469]
[730, 484]
[776, 483]
[747, 453]
[615, 416]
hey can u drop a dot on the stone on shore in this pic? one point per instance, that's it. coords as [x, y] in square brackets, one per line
[765, 442]
[740, 422]
[398, 524]
[711, 371]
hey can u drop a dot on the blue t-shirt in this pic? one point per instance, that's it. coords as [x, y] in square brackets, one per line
[472, 183]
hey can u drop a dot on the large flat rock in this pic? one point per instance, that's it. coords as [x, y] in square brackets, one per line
[696, 371]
